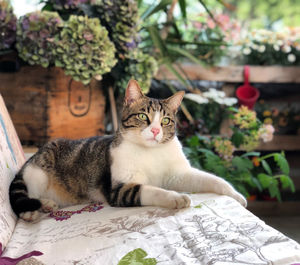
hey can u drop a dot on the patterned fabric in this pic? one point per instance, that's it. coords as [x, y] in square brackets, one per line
[11, 261]
[214, 230]
[64, 215]
[11, 159]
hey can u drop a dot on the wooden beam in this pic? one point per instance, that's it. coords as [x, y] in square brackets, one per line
[274, 208]
[234, 74]
[282, 142]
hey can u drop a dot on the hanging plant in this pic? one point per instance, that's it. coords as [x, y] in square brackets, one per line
[83, 49]
[7, 25]
[35, 37]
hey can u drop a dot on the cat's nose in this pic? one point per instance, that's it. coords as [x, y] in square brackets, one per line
[155, 131]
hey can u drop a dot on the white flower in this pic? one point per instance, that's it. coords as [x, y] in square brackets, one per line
[261, 48]
[279, 42]
[254, 46]
[213, 93]
[219, 100]
[196, 98]
[246, 51]
[266, 132]
[276, 47]
[291, 58]
[286, 48]
[221, 93]
[230, 101]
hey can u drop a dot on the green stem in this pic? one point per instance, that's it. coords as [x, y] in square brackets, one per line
[266, 157]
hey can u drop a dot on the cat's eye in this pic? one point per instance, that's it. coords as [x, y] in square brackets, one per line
[142, 116]
[165, 121]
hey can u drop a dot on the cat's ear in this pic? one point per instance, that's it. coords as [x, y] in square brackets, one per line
[175, 100]
[133, 92]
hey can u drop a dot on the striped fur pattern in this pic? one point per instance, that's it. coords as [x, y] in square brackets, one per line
[142, 164]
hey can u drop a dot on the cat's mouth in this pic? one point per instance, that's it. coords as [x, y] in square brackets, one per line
[152, 140]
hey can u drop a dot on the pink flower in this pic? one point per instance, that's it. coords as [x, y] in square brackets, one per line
[211, 24]
[266, 132]
[197, 25]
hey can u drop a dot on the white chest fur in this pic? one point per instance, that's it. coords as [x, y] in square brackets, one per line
[147, 165]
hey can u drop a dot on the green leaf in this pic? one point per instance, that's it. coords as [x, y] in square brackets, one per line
[266, 167]
[182, 5]
[193, 141]
[137, 257]
[157, 40]
[47, 7]
[186, 54]
[208, 152]
[274, 191]
[251, 154]
[154, 9]
[265, 180]
[207, 10]
[174, 71]
[242, 189]
[242, 164]
[287, 182]
[257, 184]
[237, 138]
[282, 163]
[198, 206]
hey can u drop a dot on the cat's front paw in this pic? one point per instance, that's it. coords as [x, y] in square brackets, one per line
[175, 200]
[240, 198]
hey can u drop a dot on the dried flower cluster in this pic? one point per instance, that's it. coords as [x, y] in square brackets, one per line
[121, 20]
[83, 49]
[141, 67]
[80, 46]
[35, 37]
[67, 4]
[7, 25]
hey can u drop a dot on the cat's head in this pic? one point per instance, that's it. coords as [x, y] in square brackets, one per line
[148, 121]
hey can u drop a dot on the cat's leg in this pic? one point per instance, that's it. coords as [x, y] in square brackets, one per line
[48, 205]
[194, 180]
[132, 194]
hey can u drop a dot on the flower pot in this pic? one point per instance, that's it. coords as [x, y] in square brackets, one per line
[247, 94]
[45, 104]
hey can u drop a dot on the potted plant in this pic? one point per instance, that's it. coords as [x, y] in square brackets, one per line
[87, 46]
[248, 171]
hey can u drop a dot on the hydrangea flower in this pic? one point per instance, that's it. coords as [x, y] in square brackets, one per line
[83, 49]
[141, 67]
[67, 4]
[35, 37]
[120, 17]
[7, 25]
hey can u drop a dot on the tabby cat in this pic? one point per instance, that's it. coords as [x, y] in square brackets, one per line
[142, 164]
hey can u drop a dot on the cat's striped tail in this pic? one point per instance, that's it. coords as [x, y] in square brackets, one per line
[18, 196]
